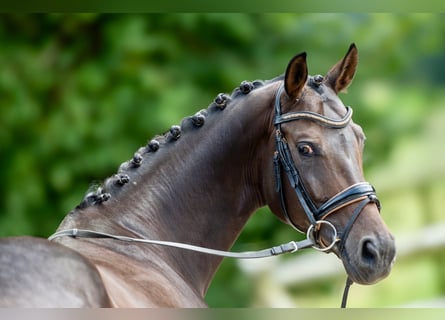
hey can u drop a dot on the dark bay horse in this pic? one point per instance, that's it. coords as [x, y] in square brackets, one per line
[288, 143]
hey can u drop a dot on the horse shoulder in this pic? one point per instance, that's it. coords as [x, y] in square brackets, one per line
[35, 272]
[134, 283]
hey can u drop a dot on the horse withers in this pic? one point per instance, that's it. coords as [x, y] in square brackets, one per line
[288, 143]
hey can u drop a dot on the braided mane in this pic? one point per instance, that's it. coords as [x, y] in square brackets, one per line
[99, 193]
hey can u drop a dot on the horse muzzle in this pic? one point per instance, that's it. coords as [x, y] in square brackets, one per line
[370, 259]
[369, 251]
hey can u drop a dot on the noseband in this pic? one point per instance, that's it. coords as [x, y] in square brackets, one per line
[362, 192]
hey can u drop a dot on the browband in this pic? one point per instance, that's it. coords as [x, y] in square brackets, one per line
[309, 115]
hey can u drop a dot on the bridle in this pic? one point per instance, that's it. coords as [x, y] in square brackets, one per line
[361, 192]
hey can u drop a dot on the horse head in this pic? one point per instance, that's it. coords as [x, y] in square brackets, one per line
[318, 169]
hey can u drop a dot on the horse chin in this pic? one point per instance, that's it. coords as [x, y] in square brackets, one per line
[365, 276]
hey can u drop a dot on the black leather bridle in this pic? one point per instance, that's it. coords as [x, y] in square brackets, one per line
[362, 192]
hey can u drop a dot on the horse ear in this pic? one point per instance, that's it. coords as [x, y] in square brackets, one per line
[341, 74]
[296, 76]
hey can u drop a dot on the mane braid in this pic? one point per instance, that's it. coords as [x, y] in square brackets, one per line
[99, 193]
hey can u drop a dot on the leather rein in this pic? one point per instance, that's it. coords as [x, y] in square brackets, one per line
[361, 192]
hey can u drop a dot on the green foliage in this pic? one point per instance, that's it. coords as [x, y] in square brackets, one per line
[80, 93]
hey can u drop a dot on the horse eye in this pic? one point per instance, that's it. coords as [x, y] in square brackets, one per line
[305, 149]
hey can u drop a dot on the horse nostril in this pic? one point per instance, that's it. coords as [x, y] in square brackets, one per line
[370, 254]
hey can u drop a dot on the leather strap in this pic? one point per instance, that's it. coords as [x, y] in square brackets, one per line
[321, 120]
[289, 247]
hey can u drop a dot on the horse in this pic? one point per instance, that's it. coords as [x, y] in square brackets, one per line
[288, 143]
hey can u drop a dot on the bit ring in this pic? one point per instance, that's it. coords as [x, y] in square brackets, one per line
[310, 234]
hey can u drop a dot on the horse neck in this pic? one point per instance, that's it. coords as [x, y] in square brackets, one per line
[200, 189]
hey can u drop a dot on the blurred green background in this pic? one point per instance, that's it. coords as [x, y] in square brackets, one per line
[80, 93]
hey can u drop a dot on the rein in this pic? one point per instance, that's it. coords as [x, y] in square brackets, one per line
[289, 247]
